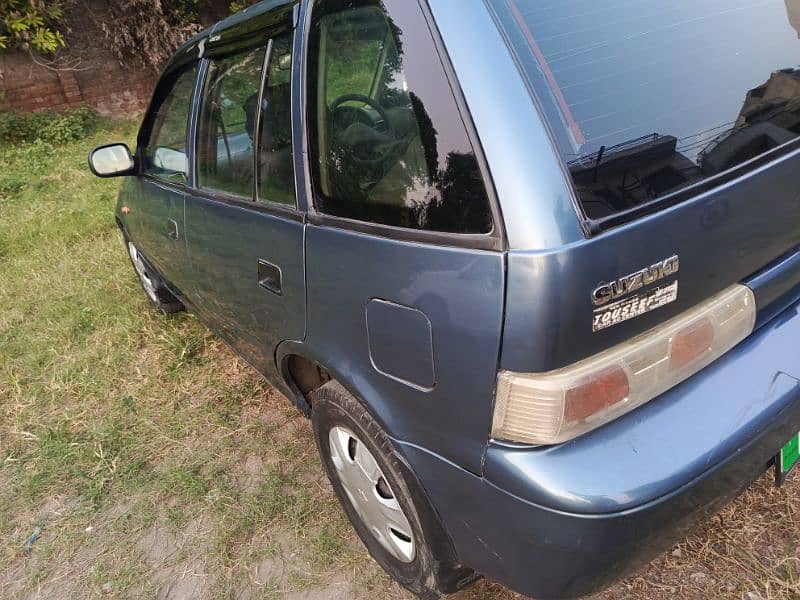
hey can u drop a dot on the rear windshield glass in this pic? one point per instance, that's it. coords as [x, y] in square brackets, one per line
[646, 98]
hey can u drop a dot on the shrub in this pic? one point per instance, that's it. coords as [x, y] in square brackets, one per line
[49, 127]
[22, 166]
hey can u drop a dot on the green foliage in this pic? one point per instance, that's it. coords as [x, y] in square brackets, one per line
[23, 165]
[186, 11]
[69, 126]
[30, 25]
[237, 5]
[29, 144]
[48, 127]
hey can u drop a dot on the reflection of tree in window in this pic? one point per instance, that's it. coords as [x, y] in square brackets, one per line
[275, 159]
[378, 144]
[460, 202]
[168, 130]
[225, 156]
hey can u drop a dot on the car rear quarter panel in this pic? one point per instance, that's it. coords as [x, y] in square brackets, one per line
[454, 307]
[535, 196]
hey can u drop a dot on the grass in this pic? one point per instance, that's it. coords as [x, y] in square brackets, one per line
[158, 464]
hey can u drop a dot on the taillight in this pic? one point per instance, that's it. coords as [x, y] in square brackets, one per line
[550, 408]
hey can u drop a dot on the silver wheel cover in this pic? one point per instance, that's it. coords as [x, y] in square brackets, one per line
[370, 494]
[138, 265]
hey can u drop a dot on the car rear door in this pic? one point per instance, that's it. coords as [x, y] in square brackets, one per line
[245, 234]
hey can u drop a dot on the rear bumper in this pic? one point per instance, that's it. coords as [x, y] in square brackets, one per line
[569, 520]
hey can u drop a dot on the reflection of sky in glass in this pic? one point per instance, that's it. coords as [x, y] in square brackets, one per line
[629, 68]
[112, 159]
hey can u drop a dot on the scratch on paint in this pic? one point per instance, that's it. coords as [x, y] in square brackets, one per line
[483, 543]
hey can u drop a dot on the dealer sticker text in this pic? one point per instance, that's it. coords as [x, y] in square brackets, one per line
[622, 311]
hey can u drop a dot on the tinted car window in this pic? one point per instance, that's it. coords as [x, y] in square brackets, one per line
[275, 159]
[647, 98]
[226, 129]
[387, 143]
[165, 151]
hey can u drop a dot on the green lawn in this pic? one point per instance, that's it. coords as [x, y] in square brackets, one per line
[142, 448]
[159, 465]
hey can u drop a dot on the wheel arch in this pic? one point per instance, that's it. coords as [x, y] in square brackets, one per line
[296, 359]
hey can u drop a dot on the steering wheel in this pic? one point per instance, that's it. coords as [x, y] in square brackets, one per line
[388, 149]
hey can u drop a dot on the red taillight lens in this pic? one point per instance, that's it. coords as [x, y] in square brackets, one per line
[691, 343]
[605, 390]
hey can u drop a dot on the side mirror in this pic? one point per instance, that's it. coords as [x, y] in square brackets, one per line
[112, 160]
[173, 161]
[285, 62]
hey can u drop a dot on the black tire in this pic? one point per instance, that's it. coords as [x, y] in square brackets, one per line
[152, 283]
[434, 569]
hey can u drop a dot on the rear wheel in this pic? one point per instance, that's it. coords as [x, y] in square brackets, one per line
[385, 503]
[153, 285]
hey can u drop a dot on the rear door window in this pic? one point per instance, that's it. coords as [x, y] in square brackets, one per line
[164, 153]
[647, 98]
[226, 128]
[275, 157]
[387, 144]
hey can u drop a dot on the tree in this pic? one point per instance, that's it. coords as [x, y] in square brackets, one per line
[237, 5]
[30, 25]
[149, 30]
[139, 31]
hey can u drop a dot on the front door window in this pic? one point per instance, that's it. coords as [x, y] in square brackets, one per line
[165, 149]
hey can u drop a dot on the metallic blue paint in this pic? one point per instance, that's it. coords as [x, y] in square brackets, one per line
[777, 286]
[672, 440]
[533, 187]
[459, 291]
[553, 521]
[225, 243]
[152, 206]
[401, 343]
[722, 237]
[548, 553]
[568, 520]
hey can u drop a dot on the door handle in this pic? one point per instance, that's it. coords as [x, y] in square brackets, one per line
[269, 277]
[172, 230]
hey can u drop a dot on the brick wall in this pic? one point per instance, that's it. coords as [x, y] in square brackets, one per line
[85, 72]
[101, 83]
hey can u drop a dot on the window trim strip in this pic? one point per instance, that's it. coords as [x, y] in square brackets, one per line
[475, 241]
[194, 118]
[257, 131]
[269, 208]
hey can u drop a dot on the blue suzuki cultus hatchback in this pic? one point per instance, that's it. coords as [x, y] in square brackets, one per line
[532, 268]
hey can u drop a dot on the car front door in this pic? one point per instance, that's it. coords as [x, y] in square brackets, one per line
[245, 234]
[154, 201]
